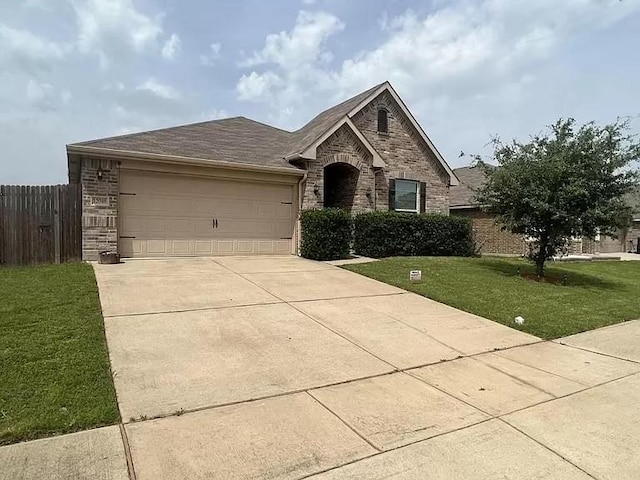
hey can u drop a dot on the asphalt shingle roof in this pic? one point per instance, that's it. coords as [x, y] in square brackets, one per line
[324, 121]
[471, 178]
[236, 140]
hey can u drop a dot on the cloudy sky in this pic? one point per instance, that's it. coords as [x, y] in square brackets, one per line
[73, 70]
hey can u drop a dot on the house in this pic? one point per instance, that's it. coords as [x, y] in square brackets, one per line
[488, 234]
[235, 186]
[628, 240]
[490, 238]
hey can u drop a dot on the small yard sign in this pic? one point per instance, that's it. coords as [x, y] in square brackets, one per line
[415, 275]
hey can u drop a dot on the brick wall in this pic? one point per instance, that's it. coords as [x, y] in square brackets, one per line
[99, 206]
[341, 147]
[633, 237]
[489, 237]
[405, 153]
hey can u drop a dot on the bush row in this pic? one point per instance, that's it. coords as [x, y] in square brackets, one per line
[326, 234]
[329, 234]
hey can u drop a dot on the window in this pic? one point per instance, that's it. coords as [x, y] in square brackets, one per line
[383, 121]
[407, 196]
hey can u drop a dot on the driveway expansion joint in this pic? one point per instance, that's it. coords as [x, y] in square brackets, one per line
[546, 447]
[584, 349]
[200, 309]
[343, 421]
[127, 452]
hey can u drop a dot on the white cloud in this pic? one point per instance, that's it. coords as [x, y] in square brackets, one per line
[255, 86]
[465, 49]
[27, 50]
[44, 97]
[294, 60]
[212, 56]
[37, 91]
[161, 90]
[300, 46]
[107, 27]
[171, 47]
[214, 114]
[37, 4]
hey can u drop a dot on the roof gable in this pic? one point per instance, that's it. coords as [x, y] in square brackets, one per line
[325, 121]
[386, 87]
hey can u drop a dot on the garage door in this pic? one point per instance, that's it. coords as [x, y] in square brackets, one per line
[166, 215]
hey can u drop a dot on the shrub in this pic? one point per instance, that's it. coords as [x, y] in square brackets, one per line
[326, 234]
[387, 234]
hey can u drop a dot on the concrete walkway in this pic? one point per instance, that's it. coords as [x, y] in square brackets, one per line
[279, 367]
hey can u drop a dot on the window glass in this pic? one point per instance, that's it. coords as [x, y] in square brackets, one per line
[406, 196]
[383, 121]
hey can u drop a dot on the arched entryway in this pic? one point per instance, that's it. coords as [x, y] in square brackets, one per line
[340, 182]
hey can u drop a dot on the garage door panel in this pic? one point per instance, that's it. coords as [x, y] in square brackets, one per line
[173, 215]
[180, 247]
[204, 247]
[156, 247]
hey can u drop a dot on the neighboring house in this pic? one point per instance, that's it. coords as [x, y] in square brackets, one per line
[628, 240]
[490, 238]
[235, 186]
[487, 233]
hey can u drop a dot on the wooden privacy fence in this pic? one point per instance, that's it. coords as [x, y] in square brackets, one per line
[41, 224]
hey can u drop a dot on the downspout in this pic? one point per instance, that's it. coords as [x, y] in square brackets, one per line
[301, 186]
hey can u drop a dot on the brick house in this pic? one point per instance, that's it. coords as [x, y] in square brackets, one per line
[488, 234]
[491, 239]
[235, 186]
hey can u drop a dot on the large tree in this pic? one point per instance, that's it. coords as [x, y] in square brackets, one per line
[566, 182]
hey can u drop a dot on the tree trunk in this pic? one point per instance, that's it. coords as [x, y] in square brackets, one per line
[542, 257]
[540, 265]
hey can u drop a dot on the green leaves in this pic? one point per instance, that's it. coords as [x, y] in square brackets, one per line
[569, 182]
[326, 234]
[387, 234]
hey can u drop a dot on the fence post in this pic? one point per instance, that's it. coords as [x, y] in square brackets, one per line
[56, 223]
[3, 241]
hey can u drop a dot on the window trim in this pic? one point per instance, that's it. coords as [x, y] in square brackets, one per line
[386, 121]
[404, 210]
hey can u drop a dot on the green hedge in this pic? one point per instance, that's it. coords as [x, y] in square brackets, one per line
[326, 234]
[389, 234]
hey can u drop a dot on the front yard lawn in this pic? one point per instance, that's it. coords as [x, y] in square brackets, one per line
[54, 369]
[597, 293]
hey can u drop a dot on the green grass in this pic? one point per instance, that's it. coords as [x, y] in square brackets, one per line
[597, 293]
[54, 369]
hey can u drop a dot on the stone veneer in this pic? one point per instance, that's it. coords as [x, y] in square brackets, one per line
[341, 147]
[405, 152]
[99, 206]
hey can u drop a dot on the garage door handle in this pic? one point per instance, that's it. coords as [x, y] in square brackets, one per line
[214, 223]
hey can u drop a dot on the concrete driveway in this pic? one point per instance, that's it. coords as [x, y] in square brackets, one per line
[280, 367]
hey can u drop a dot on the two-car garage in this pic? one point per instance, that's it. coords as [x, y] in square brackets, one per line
[177, 214]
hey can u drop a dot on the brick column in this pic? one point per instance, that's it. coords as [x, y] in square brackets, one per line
[99, 179]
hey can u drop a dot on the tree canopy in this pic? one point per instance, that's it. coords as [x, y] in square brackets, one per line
[565, 182]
